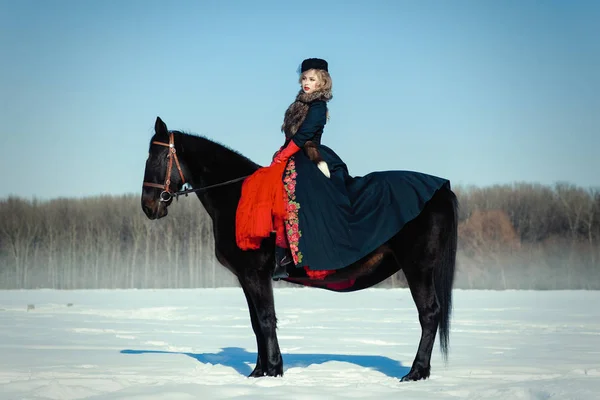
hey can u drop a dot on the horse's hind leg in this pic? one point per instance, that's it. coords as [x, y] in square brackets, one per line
[259, 295]
[421, 287]
[419, 271]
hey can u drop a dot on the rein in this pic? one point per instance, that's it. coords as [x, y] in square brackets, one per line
[167, 194]
[187, 191]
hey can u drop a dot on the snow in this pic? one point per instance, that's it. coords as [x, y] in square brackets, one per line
[198, 344]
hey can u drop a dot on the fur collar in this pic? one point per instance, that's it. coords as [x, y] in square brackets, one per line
[296, 112]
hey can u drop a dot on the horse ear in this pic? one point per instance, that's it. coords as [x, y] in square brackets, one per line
[160, 128]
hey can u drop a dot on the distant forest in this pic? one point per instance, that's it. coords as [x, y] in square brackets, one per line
[518, 236]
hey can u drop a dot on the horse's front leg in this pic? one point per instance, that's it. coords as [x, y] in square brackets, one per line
[259, 295]
[258, 369]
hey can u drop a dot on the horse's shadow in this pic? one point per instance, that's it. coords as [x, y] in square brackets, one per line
[241, 360]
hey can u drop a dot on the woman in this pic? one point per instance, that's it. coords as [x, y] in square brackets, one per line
[303, 125]
[331, 219]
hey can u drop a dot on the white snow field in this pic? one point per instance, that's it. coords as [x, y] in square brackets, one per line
[198, 344]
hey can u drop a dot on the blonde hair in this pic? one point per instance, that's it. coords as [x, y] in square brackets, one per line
[325, 82]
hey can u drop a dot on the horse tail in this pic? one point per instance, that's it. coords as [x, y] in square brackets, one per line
[444, 272]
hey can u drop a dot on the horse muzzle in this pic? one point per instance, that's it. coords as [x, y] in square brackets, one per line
[155, 208]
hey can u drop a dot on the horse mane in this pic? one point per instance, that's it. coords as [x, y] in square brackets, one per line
[217, 148]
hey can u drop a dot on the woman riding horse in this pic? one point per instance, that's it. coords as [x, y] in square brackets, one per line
[327, 219]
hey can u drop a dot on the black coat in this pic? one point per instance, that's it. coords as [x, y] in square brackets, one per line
[333, 222]
[313, 125]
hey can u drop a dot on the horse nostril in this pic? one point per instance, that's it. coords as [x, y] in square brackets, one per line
[147, 210]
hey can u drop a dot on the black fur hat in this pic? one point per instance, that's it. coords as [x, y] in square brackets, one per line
[313, 63]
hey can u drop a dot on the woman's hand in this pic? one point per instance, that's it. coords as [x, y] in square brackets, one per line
[285, 153]
[322, 165]
[275, 155]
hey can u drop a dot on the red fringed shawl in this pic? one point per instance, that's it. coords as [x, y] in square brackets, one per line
[262, 207]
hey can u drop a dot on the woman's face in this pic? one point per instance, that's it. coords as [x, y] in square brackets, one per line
[310, 81]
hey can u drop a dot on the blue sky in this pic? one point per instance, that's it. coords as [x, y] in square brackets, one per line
[479, 92]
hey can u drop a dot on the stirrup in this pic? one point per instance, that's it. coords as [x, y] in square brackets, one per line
[282, 260]
[280, 272]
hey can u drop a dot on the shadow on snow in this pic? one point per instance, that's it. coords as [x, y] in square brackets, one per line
[243, 361]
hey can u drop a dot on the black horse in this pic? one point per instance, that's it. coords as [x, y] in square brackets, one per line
[425, 249]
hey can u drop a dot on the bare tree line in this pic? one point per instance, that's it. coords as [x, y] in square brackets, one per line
[105, 242]
[521, 236]
[529, 236]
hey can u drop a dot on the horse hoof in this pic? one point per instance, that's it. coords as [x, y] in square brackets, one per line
[256, 374]
[259, 373]
[415, 375]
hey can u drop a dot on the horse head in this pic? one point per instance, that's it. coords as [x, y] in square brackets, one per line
[163, 175]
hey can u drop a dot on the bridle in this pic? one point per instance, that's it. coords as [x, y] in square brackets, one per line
[167, 194]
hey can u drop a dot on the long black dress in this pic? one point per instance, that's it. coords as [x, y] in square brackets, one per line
[333, 222]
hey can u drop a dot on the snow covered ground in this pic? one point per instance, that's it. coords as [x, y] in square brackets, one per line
[198, 344]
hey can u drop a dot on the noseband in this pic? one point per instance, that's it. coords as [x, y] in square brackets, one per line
[167, 193]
